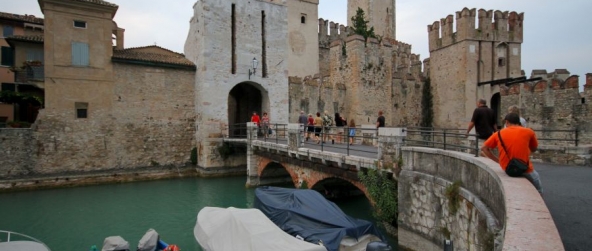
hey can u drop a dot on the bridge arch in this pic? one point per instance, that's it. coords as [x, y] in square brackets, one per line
[244, 99]
[272, 172]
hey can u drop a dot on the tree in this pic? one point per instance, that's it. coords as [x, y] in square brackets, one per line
[360, 25]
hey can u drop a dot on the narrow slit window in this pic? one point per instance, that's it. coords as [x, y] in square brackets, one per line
[263, 45]
[233, 40]
[303, 19]
[80, 24]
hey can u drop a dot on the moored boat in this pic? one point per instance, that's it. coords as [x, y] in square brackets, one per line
[13, 241]
[306, 214]
[230, 229]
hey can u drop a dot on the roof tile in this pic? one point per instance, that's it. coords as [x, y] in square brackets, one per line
[154, 54]
[23, 18]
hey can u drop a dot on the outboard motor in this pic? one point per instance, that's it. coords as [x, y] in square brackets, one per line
[149, 241]
[378, 246]
[115, 243]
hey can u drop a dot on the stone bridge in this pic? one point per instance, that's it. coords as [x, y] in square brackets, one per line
[443, 195]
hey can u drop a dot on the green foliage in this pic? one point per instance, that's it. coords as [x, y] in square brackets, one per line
[303, 185]
[384, 192]
[194, 156]
[453, 195]
[12, 97]
[360, 25]
[446, 232]
[427, 105]
[154, 163]
[18, 124]
[343, 49]
[225, 150]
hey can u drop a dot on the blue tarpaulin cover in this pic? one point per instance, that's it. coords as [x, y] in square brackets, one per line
[306, 213]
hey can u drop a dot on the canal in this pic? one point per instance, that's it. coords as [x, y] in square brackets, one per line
[77, 218]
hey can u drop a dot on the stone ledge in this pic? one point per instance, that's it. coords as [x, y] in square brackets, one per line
[528, 225]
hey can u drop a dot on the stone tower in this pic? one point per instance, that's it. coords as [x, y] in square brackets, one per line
[460, 60]
[240, 50]
[381, 15]
[303, 41]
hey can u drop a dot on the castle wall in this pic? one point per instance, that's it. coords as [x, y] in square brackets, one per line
[148, 122]
[553, 103]
[211, 51]
[475, 53]
[364, 70]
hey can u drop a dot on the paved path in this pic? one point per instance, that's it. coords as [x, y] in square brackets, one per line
[567, 193]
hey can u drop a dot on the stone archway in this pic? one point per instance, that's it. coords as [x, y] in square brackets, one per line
[336, 188]
[275, 174]
[495, 103]
[243, 100]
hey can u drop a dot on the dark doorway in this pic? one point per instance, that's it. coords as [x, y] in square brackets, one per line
[496, 106]
[243, 100]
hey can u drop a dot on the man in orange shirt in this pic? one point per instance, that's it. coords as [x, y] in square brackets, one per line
[519, 143]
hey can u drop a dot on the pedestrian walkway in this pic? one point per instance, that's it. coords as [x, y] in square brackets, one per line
[568, 195]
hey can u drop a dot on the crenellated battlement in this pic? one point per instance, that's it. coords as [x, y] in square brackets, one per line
[330, 31]
[491, 25]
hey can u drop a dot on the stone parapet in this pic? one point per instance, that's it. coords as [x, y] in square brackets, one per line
[492, 211]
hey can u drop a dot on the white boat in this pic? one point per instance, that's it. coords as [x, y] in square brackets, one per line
[230, 229]
[12, 241]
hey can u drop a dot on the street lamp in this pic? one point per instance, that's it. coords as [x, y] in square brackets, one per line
[254, 68]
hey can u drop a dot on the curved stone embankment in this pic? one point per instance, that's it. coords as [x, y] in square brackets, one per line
[488, 210]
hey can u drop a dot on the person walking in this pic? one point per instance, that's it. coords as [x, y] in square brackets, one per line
[380, 121]
[327, 124]
[303, 121]
[514, 109]
[255, 119]
[352, 131]
[311, 126]
[483, 120]
[514, 141]
[265, 124]
[318, 123]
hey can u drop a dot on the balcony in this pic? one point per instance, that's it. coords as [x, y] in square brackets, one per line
[29, 74]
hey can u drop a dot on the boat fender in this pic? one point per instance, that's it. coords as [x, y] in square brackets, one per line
[172, 247]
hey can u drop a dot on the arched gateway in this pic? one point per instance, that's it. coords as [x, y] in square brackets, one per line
[244, 99]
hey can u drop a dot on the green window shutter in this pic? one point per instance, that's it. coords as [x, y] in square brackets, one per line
[7, 56]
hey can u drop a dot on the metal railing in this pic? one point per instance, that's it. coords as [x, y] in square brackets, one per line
[455, 139]
[365, 139]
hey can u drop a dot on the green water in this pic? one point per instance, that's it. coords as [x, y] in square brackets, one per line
[77, 218]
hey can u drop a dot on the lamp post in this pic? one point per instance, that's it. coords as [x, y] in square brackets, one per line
[255, 62]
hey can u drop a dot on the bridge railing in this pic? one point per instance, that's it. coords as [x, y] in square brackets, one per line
[456, 140]
[363, 140]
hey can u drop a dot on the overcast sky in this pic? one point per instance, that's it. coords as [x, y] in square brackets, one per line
[556, 33]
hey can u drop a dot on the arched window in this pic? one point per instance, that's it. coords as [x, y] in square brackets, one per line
[303, 19]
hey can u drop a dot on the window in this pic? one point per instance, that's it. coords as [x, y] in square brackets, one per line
[501, 62]
[7, 31]
[35, 55]
[303, 19]
[80, 54]
[80, 24]
[7, 56]
[81, 110]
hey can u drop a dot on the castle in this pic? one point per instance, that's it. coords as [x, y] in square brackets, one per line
[108, 107]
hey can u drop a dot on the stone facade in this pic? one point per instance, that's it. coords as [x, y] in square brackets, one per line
[488, 51]
[17, 157]
[219, 70]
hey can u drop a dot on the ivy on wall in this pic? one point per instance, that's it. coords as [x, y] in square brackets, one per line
[384, 192]
[427, 105]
